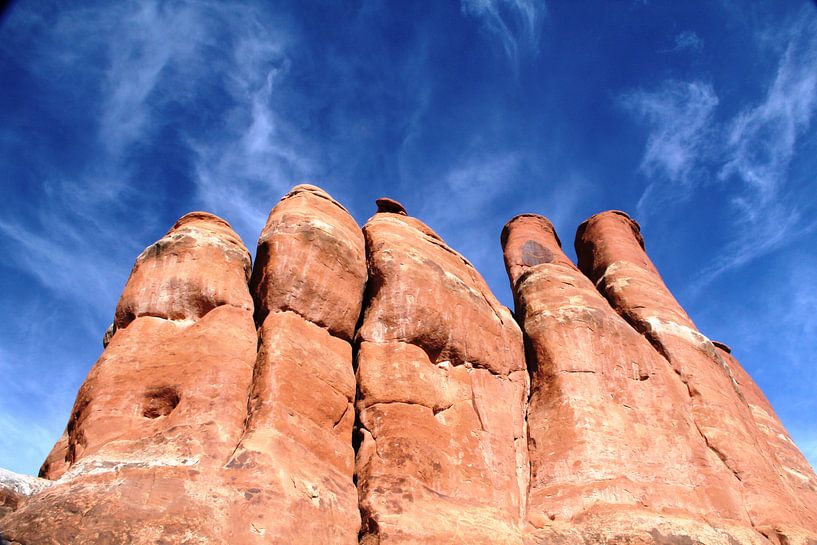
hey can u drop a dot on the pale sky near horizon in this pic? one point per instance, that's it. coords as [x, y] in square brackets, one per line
[697, 118]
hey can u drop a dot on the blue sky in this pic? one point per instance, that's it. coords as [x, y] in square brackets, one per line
[698, 118]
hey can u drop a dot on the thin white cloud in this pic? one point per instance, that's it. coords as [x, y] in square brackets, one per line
[762, 138]
[687, 148]
[688, 40]
[515, 23]
[25, 435]
[760, 144]
[151, 55]
[470, 205]
[22, 439]
[474, 185]
[150, 39]
[160, 56]
[243, 171]
[69, 265]
[679, 117]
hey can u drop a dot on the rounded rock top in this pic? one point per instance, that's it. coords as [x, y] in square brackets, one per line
[543, 221]
[385, 204]
[199, 215]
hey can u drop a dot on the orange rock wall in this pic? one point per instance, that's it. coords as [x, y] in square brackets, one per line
[365, 386]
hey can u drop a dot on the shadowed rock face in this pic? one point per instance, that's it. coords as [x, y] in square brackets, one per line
[441, 396]
[223, 407]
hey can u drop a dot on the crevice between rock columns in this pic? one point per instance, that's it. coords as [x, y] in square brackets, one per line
[368, 526]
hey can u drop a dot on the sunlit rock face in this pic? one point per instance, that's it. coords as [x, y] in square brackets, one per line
[162, 409]
[198, 425]
[365, 386]
[614, 450]
[307, 283]
[611, 252]
[442, 390]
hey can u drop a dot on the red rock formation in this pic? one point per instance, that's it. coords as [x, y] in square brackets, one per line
[222, 412]
[311, 261]
[611, 252]
[162, 409]
[191, 429]
[611, 437]
[441, 395]
[15, 489]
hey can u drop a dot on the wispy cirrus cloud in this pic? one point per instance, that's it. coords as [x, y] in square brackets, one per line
[515, 23]
[243, 156]
[679, 117]
[462, 209]
[759, 146]
[479, 194]
[23, 436]
[687, 147]
[170, 105]
[242, 170]
[153, 42]
[475, 182]
[159, 66]
[689, 41]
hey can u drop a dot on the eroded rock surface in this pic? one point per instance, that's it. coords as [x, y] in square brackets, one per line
[311, 261]
[223, 407]
[308, 284]
[796, 473]
[16, 489]
[442, 388]
[162, 409]
[194, 428]
[611, 252]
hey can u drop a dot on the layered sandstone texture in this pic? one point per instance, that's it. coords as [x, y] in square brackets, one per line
[162, 409]
[307, 283]
[365, 386]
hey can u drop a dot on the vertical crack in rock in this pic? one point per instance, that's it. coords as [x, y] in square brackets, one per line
[368, 529]
[253, 400]
[611, 253]
[441, 393]
[308, 285]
